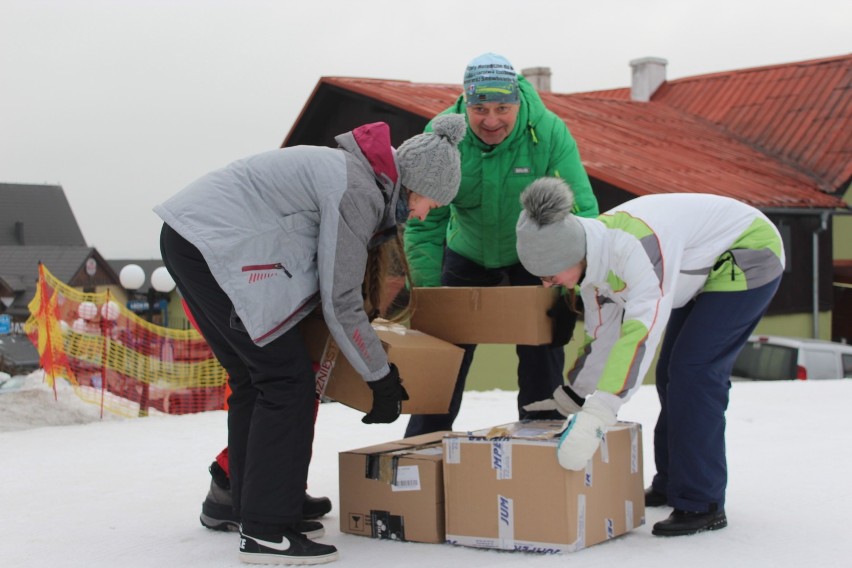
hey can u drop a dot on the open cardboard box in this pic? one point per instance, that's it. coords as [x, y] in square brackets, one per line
[394, 490]
[514, 315]
[505, 489]
[427, 366]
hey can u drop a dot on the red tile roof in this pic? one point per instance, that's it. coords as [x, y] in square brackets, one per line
[799, 113]
[778, 136]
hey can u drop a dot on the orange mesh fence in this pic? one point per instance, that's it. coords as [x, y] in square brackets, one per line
[116, 359]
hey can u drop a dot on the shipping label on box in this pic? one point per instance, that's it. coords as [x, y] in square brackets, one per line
[394, 490]
[505, 489]
[515, 315]
[427, 366]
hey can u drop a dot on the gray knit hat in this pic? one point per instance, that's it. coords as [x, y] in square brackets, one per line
[429, 163]
[550, 238]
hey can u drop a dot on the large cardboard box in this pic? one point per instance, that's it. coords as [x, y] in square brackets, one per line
[394, 490]
[428, 367]
[515, 315]
[505, 489]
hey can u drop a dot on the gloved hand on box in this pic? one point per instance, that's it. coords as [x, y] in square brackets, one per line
[388, 394]
[564, 319]
[583, 434]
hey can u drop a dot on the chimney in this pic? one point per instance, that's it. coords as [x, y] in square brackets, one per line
[19, 232]
[539, 77]
[648, 73]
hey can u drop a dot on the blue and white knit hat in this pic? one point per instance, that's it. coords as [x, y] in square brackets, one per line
[490, 78]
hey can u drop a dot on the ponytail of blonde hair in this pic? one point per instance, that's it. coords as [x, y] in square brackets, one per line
[387, 264]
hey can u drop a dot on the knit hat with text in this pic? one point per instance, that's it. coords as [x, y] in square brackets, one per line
[550, 238]
[429, 163]
[490, 78]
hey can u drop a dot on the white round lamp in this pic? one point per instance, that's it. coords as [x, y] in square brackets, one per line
[162, 281]
[132, 277]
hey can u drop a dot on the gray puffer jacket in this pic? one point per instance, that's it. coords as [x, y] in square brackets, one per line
[285, 229]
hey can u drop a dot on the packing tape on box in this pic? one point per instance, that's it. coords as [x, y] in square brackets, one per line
[381, 467]
[635, 434]
[604, 449]
[522, 430]
[389, 326]
[628, 515]
[475, 300]
[384, 466]
[506, 522]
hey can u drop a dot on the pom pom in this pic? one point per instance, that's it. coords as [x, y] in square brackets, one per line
[547, 200]
[450, 126]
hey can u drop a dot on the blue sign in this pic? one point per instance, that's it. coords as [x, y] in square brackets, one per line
[142, 305]
[5, 324]
[137, 305]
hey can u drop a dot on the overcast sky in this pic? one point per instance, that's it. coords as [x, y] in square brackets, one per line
[123, 103]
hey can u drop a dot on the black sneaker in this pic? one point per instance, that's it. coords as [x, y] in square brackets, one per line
[289, 547]
[681, 523]
[654, 498]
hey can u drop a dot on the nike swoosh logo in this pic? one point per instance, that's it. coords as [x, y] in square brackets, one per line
[282, 546]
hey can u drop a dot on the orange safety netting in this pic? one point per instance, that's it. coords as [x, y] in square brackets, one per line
[116, 359]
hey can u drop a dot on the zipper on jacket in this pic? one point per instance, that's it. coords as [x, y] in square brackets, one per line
[258, 267]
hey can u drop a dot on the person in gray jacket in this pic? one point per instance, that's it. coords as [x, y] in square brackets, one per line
[256, 246]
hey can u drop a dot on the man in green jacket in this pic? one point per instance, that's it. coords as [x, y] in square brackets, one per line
[513, 139]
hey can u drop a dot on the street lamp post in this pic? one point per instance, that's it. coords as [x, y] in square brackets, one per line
[162, 282]
[132, 278]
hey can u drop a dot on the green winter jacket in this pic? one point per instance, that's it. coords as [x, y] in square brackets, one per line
[480, 222]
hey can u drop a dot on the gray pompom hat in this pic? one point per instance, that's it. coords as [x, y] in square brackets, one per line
[550, 238]
[429, 163]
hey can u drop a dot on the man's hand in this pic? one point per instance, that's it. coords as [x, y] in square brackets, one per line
[583, 434]
[565, 400]
[388, 394]
[564, 320]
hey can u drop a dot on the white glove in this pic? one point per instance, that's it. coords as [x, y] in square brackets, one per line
[583, 434]
[561, 401]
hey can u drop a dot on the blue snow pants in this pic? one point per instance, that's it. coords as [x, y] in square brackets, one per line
[701, 343]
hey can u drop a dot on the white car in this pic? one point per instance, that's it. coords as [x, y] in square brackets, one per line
[773, 358]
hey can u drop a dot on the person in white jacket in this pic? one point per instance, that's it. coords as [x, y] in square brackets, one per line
[253, 248]
[694, 271]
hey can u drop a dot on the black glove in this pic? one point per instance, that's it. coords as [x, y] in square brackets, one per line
[564, 320]
[388, 394]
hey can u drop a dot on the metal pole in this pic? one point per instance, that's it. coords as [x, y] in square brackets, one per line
[146, 389]
[823, 218]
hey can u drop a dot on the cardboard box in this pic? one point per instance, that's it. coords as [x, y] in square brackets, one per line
[515, 315]
[428, 367]
[505, 489]
[394, 491]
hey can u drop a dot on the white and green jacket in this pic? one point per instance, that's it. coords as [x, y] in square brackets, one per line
[654, 254]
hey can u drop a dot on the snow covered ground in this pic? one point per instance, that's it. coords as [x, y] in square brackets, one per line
[80, 491]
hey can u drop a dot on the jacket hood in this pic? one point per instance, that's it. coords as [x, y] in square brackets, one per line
[372, 144]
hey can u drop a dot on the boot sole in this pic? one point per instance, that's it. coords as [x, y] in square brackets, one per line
[714, 526]
[218, 524]
[231, 526]
[253, 558]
